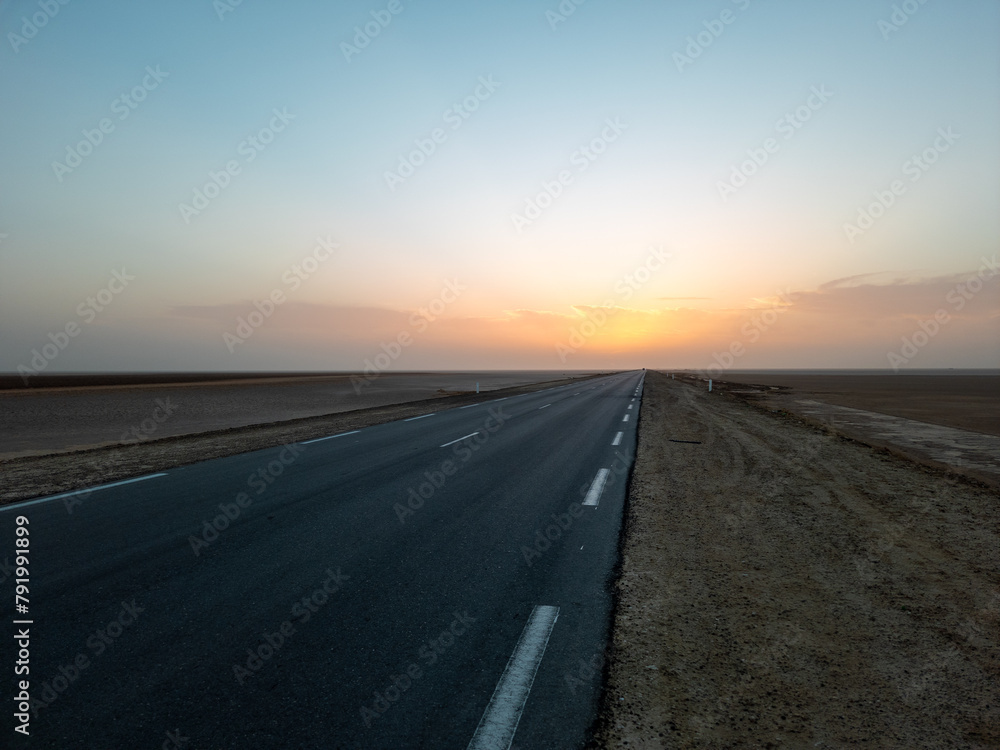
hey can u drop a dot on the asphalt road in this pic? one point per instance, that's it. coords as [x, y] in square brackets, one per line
[435, 582]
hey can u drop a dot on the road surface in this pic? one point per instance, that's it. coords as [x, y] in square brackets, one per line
[436, 582]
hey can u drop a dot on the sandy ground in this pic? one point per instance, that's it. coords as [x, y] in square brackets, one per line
[959, 451]
[963, 401]
[40, 475]
[783, 587]
[934, 441]
[54, 416]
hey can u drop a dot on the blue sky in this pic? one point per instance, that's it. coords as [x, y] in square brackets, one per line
[553, 89]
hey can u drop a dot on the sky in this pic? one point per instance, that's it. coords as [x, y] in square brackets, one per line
[408, 185]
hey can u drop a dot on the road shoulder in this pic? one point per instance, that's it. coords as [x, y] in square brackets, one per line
[782, 586]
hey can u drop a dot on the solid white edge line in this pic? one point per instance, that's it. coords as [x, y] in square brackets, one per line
[618, 439]
[625, 418]
[469, 406]
[420, 417]
[329, 437]
[459, 439]
[503, 713]
[597, 487]
[80, 492]
[545, 407]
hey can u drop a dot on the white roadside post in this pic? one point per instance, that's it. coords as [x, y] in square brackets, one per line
[709, 385]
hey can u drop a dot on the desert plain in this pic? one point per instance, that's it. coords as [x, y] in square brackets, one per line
[791, 575]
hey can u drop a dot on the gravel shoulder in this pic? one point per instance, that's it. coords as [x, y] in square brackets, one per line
[781, 586]
[37, 476]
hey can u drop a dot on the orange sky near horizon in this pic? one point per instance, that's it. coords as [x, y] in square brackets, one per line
[817, 188]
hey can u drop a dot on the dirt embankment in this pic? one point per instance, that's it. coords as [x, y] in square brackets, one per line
[782, 587]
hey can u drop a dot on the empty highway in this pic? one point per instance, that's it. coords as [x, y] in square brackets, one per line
[440, 582]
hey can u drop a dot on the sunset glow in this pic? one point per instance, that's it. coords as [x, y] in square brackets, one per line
[619, 186]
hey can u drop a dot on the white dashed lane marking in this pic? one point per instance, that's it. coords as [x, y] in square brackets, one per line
[330, 437]
[597, 487]
[457, 440]
[80, 492]
[500, 719]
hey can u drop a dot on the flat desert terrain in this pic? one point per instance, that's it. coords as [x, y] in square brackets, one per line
[964, 401]
[62, 413]
[945, 420]
[781, 586]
